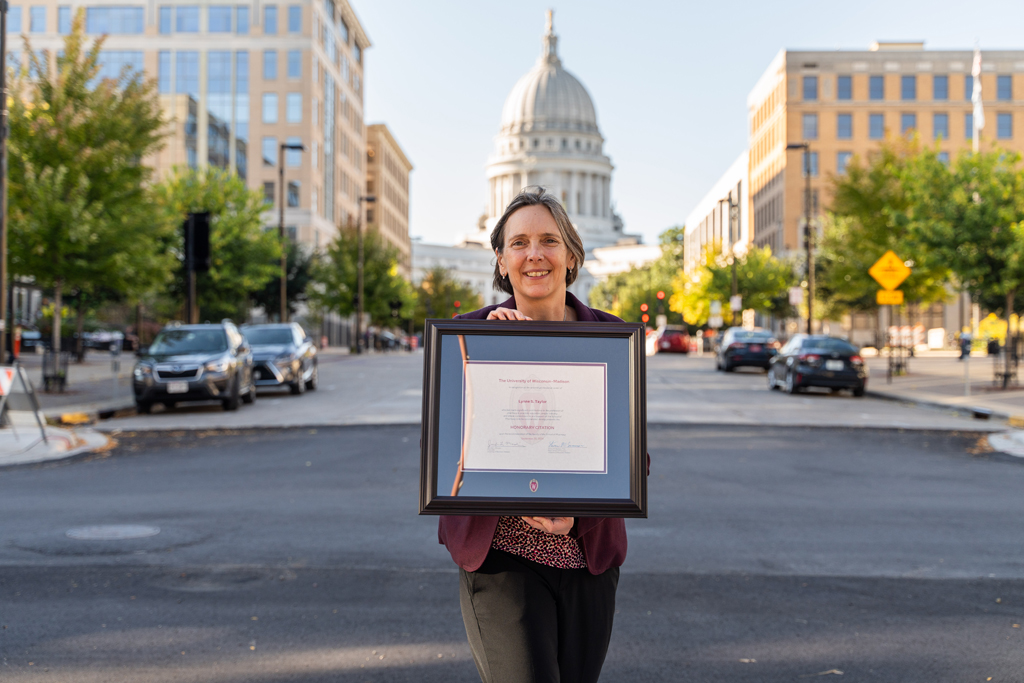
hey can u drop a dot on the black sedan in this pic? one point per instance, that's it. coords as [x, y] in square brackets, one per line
[818, 361]
[742, 347]
[195, 363]
[283, 355]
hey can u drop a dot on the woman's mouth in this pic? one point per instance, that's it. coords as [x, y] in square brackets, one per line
[536, 273]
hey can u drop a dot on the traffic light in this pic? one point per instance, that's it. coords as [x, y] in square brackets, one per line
[457, 304]
[643, 307]
[661, 295]
[645, 317]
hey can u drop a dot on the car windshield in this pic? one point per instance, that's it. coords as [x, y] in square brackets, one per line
[173, 342]
[751, 336]
[262, 336]
[829, 344]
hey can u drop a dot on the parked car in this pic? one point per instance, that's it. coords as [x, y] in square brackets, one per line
[673, 339]
[103, 339]
[32, 341]
[742, 347]
[283, 355]
[818, 361]
[195, 363]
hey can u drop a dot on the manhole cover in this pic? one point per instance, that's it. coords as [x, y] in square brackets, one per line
[112, 532]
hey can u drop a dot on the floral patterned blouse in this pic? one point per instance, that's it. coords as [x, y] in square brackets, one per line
[515, 536]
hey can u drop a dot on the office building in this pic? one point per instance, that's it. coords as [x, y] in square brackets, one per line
[387, 179]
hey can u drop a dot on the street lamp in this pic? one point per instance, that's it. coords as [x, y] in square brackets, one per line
[806, 147]
[734, 234]
[369, 199]
[3, 182]
[298, 147]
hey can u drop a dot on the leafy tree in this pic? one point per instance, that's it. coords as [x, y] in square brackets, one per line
[336, 273]
[243, 256]
[623, 293]
[437, 293]
[79, 216]
[299, 267]
[871, 214]
[762, 280]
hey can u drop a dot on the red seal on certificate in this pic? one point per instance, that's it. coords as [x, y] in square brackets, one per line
[533, 485]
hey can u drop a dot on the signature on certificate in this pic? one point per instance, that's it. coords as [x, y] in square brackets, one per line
[564, 447]
[502, 446]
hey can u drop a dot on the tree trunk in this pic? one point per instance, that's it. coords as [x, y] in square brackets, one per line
[80, 330]
[58, 304]
[1010, 296]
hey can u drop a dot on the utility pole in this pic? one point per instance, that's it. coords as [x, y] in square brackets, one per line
[280, 225]
[369, 199]
[3, 183]
[809, 231]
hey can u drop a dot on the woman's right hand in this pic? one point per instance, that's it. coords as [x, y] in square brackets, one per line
[500, 313]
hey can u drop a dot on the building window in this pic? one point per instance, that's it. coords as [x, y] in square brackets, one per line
[270, 107]
[113, 20]
[944, 158]
[269, 65]
[1004, 126]
[220, 19]
[293, 195]
[940, 126]
[269, 147]
[314, 155]
[293, 157]
[268, 192]
[113, 62]
[294, 63]
[842, 161]
[810, 126]
[844, 88]
[242, 20]
[940, 88]
[63, 20]
[164, 72]
[270, 20]
[37, 20]
[968, 87]
[1004, 88]
[908, 88]
[810, 88]
[13, 20]
[876, 126]
[293, 107]
[343, 30]
[294, 18]
[812, 159]
[187, 73]
[844, 126]
[876, 87]
[357, 53]
[165, 20]
[969, 126]
[186, 19]
[908, 123]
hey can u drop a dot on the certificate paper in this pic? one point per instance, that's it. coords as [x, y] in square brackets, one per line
[535, 417]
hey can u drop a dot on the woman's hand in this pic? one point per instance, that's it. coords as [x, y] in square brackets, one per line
[559, 526]
[500, 313]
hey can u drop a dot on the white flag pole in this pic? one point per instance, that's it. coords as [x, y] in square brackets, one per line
[979, 110]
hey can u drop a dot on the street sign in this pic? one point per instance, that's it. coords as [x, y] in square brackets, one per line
[889, 271]
[6, 379]
[736, 303]
[889, 298]
[715, 321]
[716, 308]
[796, 296]
[661, 321]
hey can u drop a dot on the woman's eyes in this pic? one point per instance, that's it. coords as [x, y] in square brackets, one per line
[520, 243]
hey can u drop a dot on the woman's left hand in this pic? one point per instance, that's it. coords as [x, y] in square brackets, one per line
[559, 526]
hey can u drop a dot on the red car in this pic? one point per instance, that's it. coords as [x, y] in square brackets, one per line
[673, 339]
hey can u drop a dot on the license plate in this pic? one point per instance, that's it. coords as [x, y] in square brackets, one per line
[755, 348]
[177, 387]
[834, 365]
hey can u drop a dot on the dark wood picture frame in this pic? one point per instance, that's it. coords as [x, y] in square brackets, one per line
[433, 504]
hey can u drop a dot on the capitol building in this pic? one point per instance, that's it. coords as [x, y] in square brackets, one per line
[549, 136]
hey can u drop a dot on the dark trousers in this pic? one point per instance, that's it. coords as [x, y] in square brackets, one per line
[530, 623]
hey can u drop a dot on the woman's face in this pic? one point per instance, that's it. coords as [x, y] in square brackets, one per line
[535, 258]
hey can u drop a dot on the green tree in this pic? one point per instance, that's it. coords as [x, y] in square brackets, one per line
[243, 256]
[299, 269]
[79, 215]
[336, 273]
[622, 294]
[870, 214]
[762, 280]
[437, 293]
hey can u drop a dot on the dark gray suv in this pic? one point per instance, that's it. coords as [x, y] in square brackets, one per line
[283, 355]
[195, 363]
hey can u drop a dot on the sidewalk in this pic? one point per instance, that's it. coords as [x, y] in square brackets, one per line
[25, 446]
[937, 379]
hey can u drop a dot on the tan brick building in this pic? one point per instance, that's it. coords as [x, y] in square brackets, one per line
[387, 178]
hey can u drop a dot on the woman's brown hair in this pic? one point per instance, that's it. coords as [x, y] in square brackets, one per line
[538, 196]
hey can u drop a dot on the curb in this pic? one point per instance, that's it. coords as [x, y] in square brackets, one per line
[88, 441]
[963, 411]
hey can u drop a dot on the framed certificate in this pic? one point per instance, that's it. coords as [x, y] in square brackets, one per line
[534, 418]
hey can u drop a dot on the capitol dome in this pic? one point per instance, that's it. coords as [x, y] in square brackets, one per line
[548, 98]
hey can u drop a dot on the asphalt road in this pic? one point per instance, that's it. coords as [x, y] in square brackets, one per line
[771, 554]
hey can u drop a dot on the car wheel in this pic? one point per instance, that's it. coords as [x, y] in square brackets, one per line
[727, 367]
[169, 405]
[858, 391]
[772, 384]
[791, 386]
[232, 402]
[144, 407]
[250, 396]
[314, 379]
[299, 385]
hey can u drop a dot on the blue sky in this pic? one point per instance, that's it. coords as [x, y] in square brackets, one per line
[669, 80]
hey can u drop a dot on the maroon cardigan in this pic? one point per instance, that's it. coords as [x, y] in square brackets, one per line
[603, 540]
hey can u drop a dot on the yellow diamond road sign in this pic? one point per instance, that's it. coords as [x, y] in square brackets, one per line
[889, 271]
